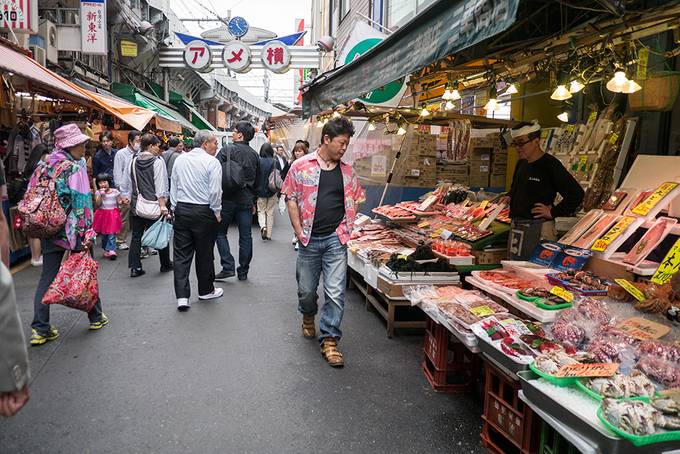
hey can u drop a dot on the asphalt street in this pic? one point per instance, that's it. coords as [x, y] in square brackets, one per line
[232, 375]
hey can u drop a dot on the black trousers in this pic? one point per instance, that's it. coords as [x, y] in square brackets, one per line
[195, 230]
[139, 226]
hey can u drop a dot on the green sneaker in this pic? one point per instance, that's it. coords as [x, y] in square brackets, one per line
[39, 339]
[100, 324]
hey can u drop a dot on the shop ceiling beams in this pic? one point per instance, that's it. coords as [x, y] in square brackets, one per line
[444, 28]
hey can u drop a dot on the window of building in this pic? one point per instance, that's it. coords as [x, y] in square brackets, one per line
[399, 12]
[344, 7]
[377, 12]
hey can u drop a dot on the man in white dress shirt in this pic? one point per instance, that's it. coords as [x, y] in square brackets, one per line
[196, 196]
[121, 162]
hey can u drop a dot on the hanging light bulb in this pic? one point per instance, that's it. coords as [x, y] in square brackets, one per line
[447, 93]
[371, 126]
[401, 131]
[618, 83]
[424, 112]
[492, 104]
[631, 87]
[563, 117]
[512, 90]
[560, 94]
[319, 123]
[455, 94]
[575, 86]
[448, 105]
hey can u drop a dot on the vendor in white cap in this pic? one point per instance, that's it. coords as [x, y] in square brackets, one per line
[537, 180]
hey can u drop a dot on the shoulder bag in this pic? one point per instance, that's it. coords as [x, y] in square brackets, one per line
[148, 209]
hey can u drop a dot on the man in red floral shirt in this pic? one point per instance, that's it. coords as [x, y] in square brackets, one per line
[323, 230]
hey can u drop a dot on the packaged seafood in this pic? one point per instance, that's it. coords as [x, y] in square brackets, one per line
[545, 253]
[621, 386]
[549, 363]
[611, 345]
[584, 282]
[581, 227]
[636, 200]
[571, 258]
[614, 201]
[661, 349]
[603, 224]
[665, 372]
[650, 240]
[636, 417]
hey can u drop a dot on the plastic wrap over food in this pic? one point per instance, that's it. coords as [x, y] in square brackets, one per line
[665, 372]
[662, 350]
[416, 294]
[574, 326]
[611, 345]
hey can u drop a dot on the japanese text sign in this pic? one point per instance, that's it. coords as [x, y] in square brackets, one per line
[669, 265]
[197, 55]
[562, 293]
[93, 30]
[588, 370]
[19, 15]
[275, 56]
[654, 198]
[603, 243]
[643, 329]
[236, 56]
[630, 288]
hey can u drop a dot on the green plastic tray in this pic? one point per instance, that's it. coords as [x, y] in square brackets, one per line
[557, 381]
[598, 397]
[537, 300]
[640, 440]
[522, 296]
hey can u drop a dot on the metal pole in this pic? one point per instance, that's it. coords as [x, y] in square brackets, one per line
[166, 84]
[389, 176]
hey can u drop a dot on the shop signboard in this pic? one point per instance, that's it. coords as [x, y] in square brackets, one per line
[128, 48]
[21, 16]
[362, 39]
[197, 55]
[93, 31]
[275, 56]
[237, 56]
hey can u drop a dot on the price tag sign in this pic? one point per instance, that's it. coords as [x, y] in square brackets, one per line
[613, 138]
[618, 228]
[569, 128]
[445, 235]
[654, 198]
[592, 117]
[483, 204]
[423, 224]
[482, 311]
[669, 265]
[427, 203]
[562, 293]
[630, 288]
[583, 163]
[587, 370]
[643, 329]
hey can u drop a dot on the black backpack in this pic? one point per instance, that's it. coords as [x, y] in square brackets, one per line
[233, 178]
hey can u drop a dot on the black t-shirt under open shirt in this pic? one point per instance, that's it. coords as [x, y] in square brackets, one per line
[330, 203]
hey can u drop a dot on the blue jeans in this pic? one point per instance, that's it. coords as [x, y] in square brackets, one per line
[243, 215]
[109, 243]
[325, 254]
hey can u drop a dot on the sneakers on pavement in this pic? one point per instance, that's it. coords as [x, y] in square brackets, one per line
[222, 275]
[123, 246]
[136, 272]
[263, 232]
[39, 339]
[38, 262]
[215, 294]
[94, 326]
[183, 304]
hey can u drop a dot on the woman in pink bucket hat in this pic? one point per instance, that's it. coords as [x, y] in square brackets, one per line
[73, 188]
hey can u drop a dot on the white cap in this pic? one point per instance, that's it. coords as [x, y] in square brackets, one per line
[525, 130]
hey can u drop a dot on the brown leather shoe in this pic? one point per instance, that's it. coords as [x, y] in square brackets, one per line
[330, 352]
[308, 328]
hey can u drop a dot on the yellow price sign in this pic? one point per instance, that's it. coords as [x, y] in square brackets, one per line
[592, 117]
[630, 288]
[613, 138]
[654, 198]
[569, 128]
[483, 204]
[607, 239]
[566, 295]
[669, 265]
[583, 163]
[482, 311]
[643, 60]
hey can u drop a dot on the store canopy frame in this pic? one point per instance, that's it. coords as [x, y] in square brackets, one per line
[446, 27]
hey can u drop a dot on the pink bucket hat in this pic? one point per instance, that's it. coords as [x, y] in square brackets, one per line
[69, 136]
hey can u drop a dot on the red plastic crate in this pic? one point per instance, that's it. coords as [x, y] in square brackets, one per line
[447, 366]
[506, 418]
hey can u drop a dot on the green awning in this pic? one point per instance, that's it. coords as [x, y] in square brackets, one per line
[164, 111]
[197, 119]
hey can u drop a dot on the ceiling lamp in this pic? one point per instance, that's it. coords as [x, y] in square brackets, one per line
[561, 93]
[371, 126]
[447, 93]
[575, 86]
[424, 112]
[401, 131]
[449, 105]
[455, 95]
[632, 87]
[512, 90]
[564, 117]
[621, 84]
[492, 104]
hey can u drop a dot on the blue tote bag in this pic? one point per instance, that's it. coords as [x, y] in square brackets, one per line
[158, 236]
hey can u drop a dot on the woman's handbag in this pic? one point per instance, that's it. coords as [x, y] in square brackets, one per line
[75, 284]
[158, 236]
[148, 209]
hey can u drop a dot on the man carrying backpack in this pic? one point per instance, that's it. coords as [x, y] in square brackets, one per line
[240, 171]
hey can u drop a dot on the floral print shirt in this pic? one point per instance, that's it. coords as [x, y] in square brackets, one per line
[73, 189]
[302, 185]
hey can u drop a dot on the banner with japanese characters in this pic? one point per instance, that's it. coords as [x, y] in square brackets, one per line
[93, 27]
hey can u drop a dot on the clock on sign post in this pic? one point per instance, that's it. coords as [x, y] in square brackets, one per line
[238, 27]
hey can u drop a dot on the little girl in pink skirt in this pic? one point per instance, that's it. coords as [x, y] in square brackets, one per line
[107, 220]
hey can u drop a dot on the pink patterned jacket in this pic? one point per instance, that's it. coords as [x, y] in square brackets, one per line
[302, 185]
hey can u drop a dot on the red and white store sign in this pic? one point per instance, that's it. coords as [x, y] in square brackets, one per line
[275, 56]
[93, 31]
[19, 15]
[237, 56]
[197, 55]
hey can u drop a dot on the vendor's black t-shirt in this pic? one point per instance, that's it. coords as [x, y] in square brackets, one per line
[539, 182]
[330, 203]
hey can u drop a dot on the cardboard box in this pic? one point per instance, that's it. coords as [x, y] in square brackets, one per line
[499, 168]
[490, 256]
[481, 154]
[497, 181]
[479, 181]
[479, 169]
